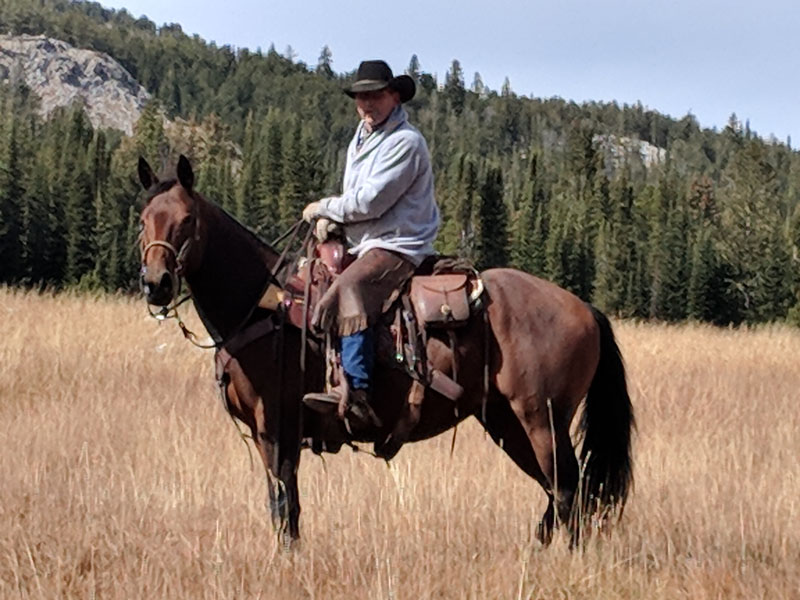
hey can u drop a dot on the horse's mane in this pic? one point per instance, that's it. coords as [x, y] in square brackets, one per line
[236, 223]
[167, 184]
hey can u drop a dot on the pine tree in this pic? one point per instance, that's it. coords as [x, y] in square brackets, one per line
[749, 217]
[569, 248]
[107, 272]
[775, 296]
[324, 63]
[703, 285]
[457, 236]
[310, 162]
[608, 285]
[214, 171]
[671, 303]
[246, 185]
[413, 69]
[78, 201]
[270, 175]
[149, 137]
[454, 89]
[492, 235]
[226, 195]
[35, 239]
[478, 86]
[50, 158]
[292, 198]
[529, 230]
[79, 228]
[11, 199]
[130, 259]
[615, 249]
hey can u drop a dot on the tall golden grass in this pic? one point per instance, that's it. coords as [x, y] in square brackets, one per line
[121, 476]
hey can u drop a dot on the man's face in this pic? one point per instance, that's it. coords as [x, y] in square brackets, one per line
[375, 107]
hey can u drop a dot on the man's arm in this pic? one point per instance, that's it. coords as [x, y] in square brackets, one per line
[392, 175]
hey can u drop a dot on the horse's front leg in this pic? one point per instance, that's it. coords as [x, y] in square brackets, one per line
[283, 495]
[288, 480]
[280, 461]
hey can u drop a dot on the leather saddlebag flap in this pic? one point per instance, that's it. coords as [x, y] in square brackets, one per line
[440, 299]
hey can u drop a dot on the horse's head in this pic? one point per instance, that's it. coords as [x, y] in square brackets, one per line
[170, 231]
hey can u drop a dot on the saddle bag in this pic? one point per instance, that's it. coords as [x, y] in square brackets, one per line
[440, 300]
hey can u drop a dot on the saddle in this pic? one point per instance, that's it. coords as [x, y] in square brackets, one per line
[442, 295]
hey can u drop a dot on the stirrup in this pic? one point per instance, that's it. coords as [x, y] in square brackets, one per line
[363, 413]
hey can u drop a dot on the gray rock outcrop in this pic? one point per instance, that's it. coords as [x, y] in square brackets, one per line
[60, 74]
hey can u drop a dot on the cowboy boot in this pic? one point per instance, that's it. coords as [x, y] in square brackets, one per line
[323, 402]
[357, 408]
[334, 401]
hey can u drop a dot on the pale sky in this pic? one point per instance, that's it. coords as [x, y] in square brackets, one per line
[708, 57]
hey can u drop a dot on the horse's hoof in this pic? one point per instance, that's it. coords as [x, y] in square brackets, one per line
[289, 544]
[544, 534]
[388, 448]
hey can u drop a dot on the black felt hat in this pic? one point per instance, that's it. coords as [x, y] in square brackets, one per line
[375, 75]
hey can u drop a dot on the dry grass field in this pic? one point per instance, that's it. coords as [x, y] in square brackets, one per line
[122, 477]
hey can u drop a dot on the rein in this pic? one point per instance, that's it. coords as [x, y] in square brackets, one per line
[171, 312]
[291, 233]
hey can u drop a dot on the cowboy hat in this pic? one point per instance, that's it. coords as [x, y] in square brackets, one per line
[375, 75]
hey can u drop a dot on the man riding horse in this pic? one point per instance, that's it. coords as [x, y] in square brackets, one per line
[390, 220]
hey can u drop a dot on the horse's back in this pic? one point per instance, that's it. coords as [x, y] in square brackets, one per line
[548, 340]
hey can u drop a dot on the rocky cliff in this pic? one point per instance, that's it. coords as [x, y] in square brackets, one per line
[61, 74]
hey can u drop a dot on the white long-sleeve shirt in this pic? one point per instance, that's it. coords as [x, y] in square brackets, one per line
[387, 199]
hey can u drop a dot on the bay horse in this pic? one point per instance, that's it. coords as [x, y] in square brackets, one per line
[525, 366]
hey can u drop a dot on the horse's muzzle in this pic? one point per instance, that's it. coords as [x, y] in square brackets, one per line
[159, 292]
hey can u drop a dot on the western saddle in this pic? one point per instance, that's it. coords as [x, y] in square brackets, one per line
[443, 293]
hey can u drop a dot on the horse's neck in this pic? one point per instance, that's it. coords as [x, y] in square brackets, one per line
[234, 271]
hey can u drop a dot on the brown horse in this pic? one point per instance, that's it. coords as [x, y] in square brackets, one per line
[545, 351]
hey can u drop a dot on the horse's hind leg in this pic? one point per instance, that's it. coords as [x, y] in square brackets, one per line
[556, 457]
[507, 432]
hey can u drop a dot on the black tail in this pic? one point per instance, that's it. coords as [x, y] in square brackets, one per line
[607, 425]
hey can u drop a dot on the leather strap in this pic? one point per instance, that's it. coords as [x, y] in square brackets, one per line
[239, 341]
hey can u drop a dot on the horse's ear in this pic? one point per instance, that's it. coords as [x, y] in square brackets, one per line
[146, 175]
[185, 174]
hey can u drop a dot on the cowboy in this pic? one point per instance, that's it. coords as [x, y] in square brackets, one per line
[390, 220]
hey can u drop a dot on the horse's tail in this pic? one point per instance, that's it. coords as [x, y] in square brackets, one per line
[606, 426]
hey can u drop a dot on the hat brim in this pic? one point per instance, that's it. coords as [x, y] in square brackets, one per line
[402, 84]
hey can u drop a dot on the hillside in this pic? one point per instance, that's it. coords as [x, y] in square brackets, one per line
[645, 215]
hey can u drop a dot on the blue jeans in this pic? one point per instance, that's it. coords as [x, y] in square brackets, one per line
[358, 358]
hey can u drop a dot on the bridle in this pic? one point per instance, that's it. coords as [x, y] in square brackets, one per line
[181, 255]
[170, 311]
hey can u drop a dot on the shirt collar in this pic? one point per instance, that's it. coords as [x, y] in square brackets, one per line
[396, 118]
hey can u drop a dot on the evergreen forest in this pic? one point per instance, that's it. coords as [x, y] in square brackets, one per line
[645, 215]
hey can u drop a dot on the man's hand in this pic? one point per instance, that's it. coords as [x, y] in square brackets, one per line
[323, 228]
[311, 211]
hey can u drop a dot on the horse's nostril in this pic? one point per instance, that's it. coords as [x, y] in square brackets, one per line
[166, 282]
